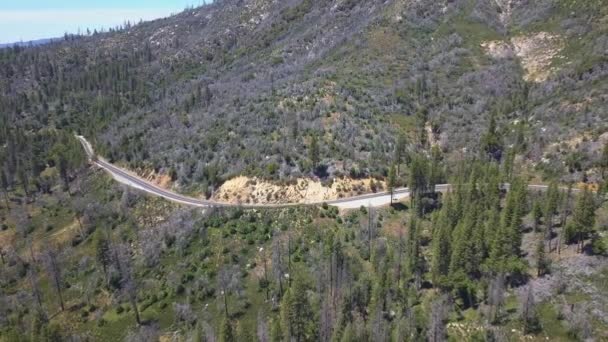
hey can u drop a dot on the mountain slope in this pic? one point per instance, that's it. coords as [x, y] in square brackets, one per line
[239, 87]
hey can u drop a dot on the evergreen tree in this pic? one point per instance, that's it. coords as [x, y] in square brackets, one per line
[391, 181]
[464, 258]
[102, 253]
[435, 169]
[583, 218]
[551, 204]
[418, 181]
[313, 151]
[491, 228]
[542, 263]
[296, 312]
[491, 142]
[537, 214]
[399, 151]
[508, 165]
[513, 213]
[413, 250]
[604, 162]
[441, 247]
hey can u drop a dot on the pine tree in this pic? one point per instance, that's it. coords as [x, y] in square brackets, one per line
[464, 257]
[313, 151]
[418, 181]
[491, 228]
[499, 250]
[542, 263]
[491, 143]
[391, 181]
[435, 170]
[102, 253]
[583, 217]
[604, 162]
[296, 312]
[537, 214]
[508, 165]
[413, 250]
[441, 247]
[399, 151]
[550, 209]
[513, 213]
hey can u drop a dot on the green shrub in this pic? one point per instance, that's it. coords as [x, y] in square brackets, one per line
[599, 246]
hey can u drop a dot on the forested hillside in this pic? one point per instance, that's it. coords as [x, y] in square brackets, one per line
[491, 96]
[241, 87]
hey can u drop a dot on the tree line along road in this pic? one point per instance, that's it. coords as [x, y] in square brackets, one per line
[373, 199]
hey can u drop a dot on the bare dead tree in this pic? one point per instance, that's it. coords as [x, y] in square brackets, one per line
[370, 229]
[577, 316]
[264, 257]
[439, 313]
[183, 313]
[528, 313]
[22, 220]
[79, 207]
[262, 327]
[496, 298]
[400, 257]
[326, 319]
[144, 333]
[53, 268]
[278, 265]
[128, 283]
[32, 277]
[565, 212]
[229, 281]
[5, 185]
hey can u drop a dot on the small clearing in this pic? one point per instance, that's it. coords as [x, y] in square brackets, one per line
[535, 52]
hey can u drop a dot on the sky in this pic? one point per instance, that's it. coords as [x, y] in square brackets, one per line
[25, 20]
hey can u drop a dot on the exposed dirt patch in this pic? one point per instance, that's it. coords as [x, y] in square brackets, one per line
[498, 49]
[256, 191]
[332, 119]
[162, 180]
[536, 53]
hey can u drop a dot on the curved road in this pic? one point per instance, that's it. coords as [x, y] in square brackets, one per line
[130, 179]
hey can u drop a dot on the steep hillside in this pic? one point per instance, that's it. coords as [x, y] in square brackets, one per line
[239, 87]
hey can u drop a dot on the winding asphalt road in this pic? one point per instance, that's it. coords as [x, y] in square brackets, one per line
[130, 179]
